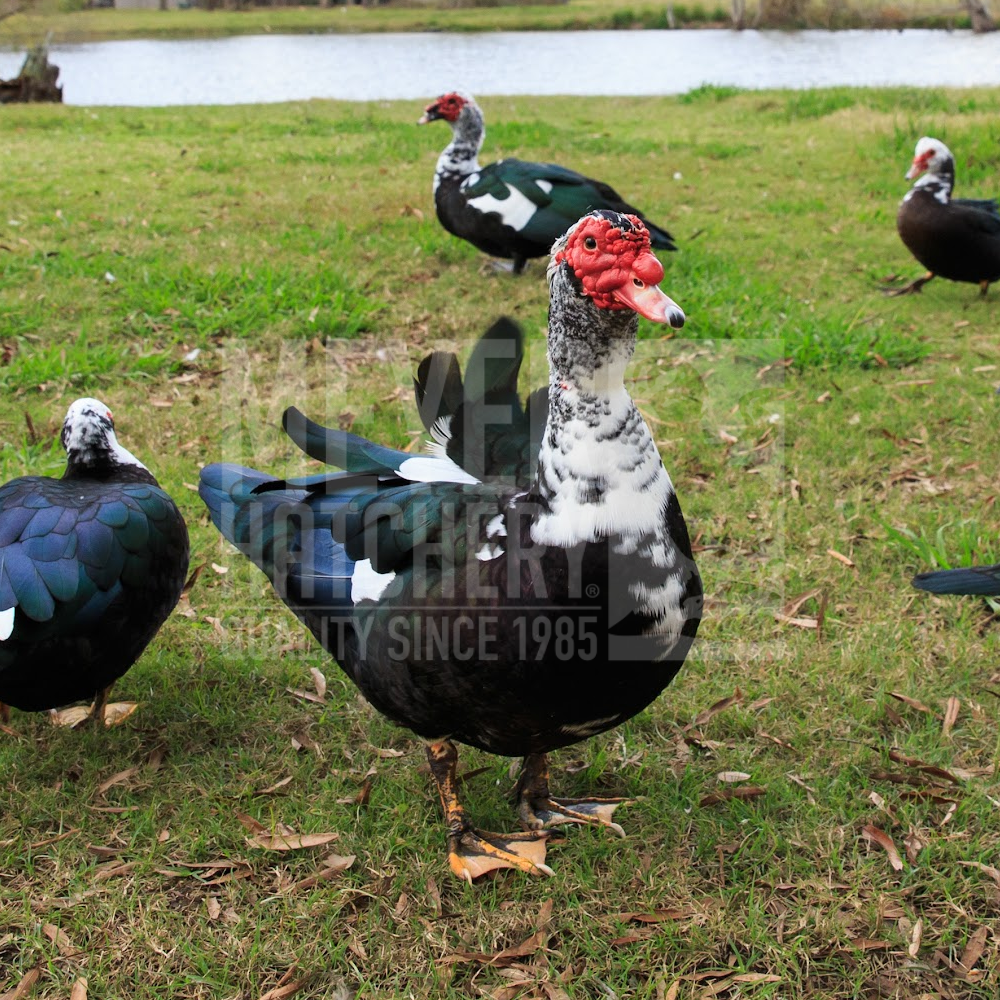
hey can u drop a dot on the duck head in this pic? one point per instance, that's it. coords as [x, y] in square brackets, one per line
[449, 107]
[88, 435]
[931, 156]
[611, 262]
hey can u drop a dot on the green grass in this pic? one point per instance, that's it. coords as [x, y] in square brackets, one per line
[65, 25]
[289, 254]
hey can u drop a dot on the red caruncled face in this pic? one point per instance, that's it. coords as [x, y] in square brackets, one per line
[607, 259]
[448, 107]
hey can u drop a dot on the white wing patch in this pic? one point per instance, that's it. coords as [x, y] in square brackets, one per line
[515, 210]
[6, 624]
[433, 469]
[366, 584]
[546, 186]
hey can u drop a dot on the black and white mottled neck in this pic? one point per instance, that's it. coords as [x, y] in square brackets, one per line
[92, 449]
[936, 159]
[599, 473]
[459, 158]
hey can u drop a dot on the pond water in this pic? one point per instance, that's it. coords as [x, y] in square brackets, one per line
[263, 68]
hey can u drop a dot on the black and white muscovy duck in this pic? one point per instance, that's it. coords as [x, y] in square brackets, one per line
[91, 565]
[512, 208]
[955, 238]
[516, 619]
[479, 422]
[983, 581]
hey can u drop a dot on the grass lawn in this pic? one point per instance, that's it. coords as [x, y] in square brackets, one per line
[100, 24]
[201, 268]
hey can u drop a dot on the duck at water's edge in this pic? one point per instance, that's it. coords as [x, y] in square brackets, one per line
[513, 208]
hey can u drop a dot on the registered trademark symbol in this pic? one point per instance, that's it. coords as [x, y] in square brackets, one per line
[593, 590]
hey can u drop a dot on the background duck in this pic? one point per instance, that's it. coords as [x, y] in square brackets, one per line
[91, 565]
[512, 208]
[560, 609]
[956, 238]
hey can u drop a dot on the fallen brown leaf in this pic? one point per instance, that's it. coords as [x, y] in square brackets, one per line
[994, 873]
[214, 907]
[53, 839]
[720, 706]
[60, 939]
[912, 702]
[24, 987]
[974, 949]
[657, 916]
[840, 557]
[725, 794]
[290, 842]
[950, 716]
[79, 990]
[117, 779]
[884, 841]
[938, 772]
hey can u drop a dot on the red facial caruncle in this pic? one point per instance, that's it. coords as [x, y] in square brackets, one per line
[617, 268]
[447, 106]
[920, 164]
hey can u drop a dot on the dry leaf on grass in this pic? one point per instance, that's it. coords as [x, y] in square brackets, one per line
[932, 769]
[840, 557]
[24, 987]
[117, 779]
[725, 794]
[657, 916]
[994, 873]
[214, 907]
[720, 706]
[974, 950]
[916, 935]
[731, 777]
[319, 681]
[912, 702]
[950, 716]
[880, 837]
[287, 990]
[60, 939]
[332, 865]
[79, 991]
[282, 837]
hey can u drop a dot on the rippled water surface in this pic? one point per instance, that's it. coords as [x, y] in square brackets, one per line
[254, 69]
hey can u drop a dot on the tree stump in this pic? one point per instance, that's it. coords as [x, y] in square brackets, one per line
[35, 82]
[979, 16]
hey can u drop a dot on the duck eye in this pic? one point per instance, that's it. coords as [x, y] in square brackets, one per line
[638, 282]
[590, 243]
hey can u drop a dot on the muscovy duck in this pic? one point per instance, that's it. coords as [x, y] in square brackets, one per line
[514, 619]
[983, 581]
[91, 565]
[512, 208]
[479, 422]
[956, 238]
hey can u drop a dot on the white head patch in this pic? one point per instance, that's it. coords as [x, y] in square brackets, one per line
[89, 430]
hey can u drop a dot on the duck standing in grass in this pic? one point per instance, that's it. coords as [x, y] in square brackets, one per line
[513, 208]
[516, 619]
[955, 238]
[91, 565]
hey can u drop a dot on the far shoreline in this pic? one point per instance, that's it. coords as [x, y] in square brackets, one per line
[98, 25]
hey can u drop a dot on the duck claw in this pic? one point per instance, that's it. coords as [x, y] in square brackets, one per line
[554, 812]
[472, 853]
